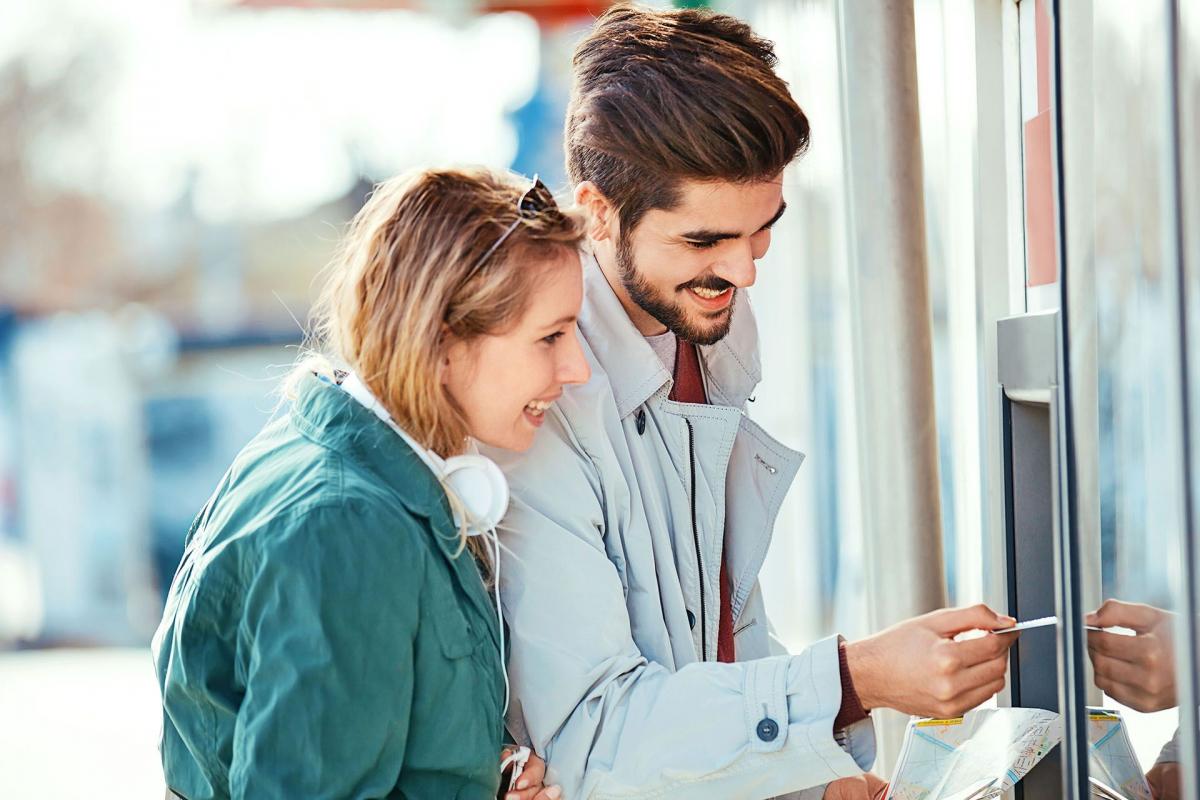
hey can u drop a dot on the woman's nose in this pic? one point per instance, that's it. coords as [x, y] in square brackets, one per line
[573, 367]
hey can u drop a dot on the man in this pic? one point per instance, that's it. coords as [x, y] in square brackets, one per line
[642, 662]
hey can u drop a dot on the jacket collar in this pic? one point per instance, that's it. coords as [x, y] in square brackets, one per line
[329, 416]
[635, 372]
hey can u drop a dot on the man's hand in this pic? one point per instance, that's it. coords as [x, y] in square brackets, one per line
[1136, 671]
[1166, 781]
[864, 787]
[916, 666]
[529, 785]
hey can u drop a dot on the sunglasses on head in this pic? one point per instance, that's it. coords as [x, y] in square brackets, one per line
[533, 202]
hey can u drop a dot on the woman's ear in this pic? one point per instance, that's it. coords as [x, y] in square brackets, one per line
[602, 216]
[457, 361]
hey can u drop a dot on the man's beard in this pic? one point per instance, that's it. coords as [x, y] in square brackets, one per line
[669, 313]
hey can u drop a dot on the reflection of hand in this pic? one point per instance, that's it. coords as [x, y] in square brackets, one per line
[1165, 781]
[917, 667]
[1137, 671]
[864, 787]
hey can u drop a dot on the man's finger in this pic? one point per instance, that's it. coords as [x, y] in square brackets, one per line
[1134, 697]
[984, 648]
[1115, 613]
[1118, 646]
[953, 621]
[983, 674]
[1117, 671]
[977, 697]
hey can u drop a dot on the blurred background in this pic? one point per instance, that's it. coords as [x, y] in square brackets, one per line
[174, 174]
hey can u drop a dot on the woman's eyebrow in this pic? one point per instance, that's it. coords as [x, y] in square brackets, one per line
[570, 318]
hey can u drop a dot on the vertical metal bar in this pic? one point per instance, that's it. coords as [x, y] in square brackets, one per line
[893, 342]
[1072, 706]
[1188, 683]
[999, 255]
[891, 316]
[1072, 693]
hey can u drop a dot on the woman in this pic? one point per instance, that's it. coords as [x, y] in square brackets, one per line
[329, 632]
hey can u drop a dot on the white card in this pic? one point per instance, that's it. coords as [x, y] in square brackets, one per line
[1040, 622]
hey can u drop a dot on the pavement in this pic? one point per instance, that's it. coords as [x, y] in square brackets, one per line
[79, 724]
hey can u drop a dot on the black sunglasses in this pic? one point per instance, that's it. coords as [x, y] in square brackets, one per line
[536, 200]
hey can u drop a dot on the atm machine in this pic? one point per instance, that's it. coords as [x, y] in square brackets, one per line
[1046, 664]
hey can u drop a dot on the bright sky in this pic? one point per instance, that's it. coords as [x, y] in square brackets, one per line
[269, 113]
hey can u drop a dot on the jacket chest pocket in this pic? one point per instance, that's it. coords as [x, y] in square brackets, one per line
[455, 634]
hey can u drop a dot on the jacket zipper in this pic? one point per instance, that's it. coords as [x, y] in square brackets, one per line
[696, 539]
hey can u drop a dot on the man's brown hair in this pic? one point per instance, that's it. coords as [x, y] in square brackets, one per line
[665, 96]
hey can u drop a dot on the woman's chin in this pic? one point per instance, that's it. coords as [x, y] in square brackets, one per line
[518, 440]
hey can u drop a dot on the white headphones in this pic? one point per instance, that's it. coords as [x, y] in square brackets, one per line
[473, 480]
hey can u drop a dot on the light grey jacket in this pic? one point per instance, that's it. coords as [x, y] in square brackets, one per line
[612, 544]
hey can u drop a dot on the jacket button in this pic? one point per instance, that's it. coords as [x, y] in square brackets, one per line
[641, 421]
[691, 620]
[767, 729]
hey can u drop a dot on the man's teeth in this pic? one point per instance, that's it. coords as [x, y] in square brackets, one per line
[538, 407]
[708, 294]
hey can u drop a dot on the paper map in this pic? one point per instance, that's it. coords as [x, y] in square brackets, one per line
[974, 757]
[989, 750]
[1111, 758]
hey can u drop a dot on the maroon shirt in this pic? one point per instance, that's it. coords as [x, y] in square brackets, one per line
[689, 388]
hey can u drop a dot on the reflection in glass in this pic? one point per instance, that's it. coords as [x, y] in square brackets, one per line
[1131, 636]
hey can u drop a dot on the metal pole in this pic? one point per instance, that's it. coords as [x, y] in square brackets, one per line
[1183, 46]
[891, 317]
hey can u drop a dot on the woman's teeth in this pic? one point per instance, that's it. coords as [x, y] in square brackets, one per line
[538, 407]
[708, 294]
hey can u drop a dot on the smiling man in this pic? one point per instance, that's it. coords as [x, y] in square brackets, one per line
[642, 661]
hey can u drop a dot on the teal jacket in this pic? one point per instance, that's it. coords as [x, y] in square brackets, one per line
[321, 638]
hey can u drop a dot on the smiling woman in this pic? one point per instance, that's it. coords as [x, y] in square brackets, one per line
[329, 622]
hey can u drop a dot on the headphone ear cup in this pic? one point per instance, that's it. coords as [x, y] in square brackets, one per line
[481, 487]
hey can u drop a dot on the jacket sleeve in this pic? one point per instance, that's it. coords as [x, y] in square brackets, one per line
[612, 724]
[327, 648]
[1170, 751]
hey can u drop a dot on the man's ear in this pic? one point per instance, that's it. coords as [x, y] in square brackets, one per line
[602, 216]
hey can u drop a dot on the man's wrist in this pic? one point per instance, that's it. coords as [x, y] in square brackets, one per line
[852, 709]
[859, 663]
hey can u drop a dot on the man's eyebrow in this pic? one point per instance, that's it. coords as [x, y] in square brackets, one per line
[704, 235]
[778, 214]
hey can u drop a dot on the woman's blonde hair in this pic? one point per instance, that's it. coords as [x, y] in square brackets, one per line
[411, 277]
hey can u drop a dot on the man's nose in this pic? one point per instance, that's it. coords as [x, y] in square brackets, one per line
[738, 267]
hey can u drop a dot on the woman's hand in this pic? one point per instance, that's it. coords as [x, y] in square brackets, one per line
[530, 784]
[864, 787]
